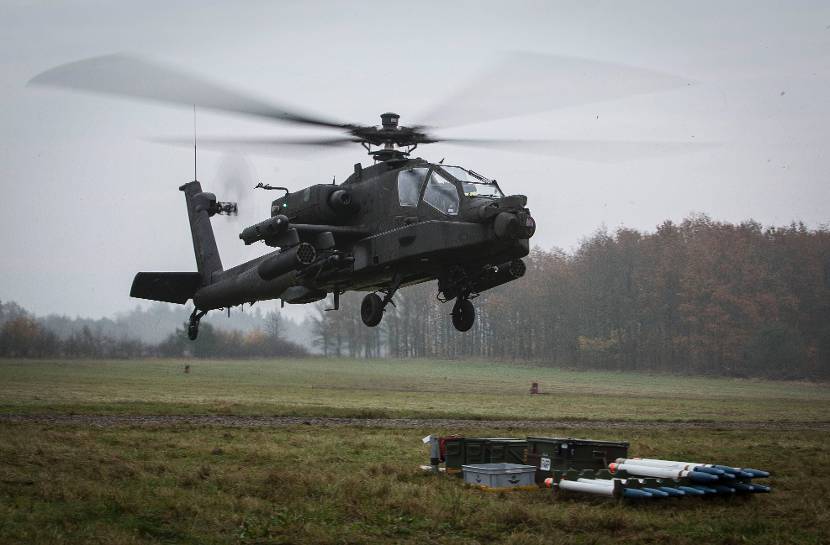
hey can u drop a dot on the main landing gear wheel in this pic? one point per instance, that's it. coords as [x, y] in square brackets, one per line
[463, 315]
[371, 310]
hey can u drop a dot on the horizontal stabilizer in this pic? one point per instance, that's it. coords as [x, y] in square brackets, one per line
[170, 287]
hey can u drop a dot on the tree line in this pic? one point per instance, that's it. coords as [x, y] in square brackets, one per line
[698, 297]
[22, 335]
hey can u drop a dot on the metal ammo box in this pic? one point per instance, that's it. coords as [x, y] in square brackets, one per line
[550, 453]
[501, 475]
[483, 450]
[454, 453]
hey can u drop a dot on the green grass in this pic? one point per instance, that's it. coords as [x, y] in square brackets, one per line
[394, 388]
[308, 484]
[348, 485]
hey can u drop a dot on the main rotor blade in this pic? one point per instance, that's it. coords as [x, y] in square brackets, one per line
[600, 151]
[133, 77]
[256, 144]
[525, 83]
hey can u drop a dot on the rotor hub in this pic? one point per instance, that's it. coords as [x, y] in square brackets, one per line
[389, 120]
[389, 137]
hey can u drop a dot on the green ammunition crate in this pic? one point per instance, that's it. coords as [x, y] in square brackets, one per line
[454, 453]
[509, 451]
[460, 451]
[558, 453]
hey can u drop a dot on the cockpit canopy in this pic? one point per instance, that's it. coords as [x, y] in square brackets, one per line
[474, 184]
[442, 187]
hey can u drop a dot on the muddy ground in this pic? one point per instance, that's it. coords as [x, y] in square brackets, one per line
[414, 423]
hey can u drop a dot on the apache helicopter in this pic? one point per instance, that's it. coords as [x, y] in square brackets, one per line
[398, 222]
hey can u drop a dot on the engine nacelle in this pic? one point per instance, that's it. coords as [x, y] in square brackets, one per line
[318, 204]
[341, 202]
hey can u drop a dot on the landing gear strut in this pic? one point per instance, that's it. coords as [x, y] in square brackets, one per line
[372, 307]
[193, 325]
[463, 314]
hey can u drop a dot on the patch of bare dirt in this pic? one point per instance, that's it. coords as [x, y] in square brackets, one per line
[404, 423]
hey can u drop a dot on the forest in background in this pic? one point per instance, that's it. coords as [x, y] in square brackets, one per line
[698, 297]
[156, 331]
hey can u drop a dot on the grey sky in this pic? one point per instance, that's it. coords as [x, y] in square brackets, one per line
[87, 202]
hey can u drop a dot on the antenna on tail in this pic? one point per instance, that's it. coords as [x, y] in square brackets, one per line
[194, 144]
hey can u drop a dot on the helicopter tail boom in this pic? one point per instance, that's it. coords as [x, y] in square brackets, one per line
[200, 207]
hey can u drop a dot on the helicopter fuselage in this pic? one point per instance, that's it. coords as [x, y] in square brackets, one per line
[399, 222]
[393, 224]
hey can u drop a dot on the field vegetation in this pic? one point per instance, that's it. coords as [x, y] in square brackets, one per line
[396, 388]
[350, 485]
[206, 484]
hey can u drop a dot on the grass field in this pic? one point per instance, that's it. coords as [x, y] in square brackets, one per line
[314, 484]
[394, 388]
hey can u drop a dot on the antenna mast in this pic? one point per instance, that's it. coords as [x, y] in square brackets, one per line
[194, 144]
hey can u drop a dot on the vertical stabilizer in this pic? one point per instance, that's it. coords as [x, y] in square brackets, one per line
[200, 207]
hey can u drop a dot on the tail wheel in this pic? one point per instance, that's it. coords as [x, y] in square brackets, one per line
[193, 331]
[371, 310]
[193, 324]
[463, 315]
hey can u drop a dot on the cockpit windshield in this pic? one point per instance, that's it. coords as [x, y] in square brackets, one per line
[474, 184]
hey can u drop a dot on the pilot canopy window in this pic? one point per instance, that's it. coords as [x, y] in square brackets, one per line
[441, 194]
[473, 184]
[410, 182]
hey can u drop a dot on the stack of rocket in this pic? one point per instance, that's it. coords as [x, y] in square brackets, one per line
[705, 478]
[691, 478]
[649, 478]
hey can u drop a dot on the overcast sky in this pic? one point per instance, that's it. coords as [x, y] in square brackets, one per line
[87, 201]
